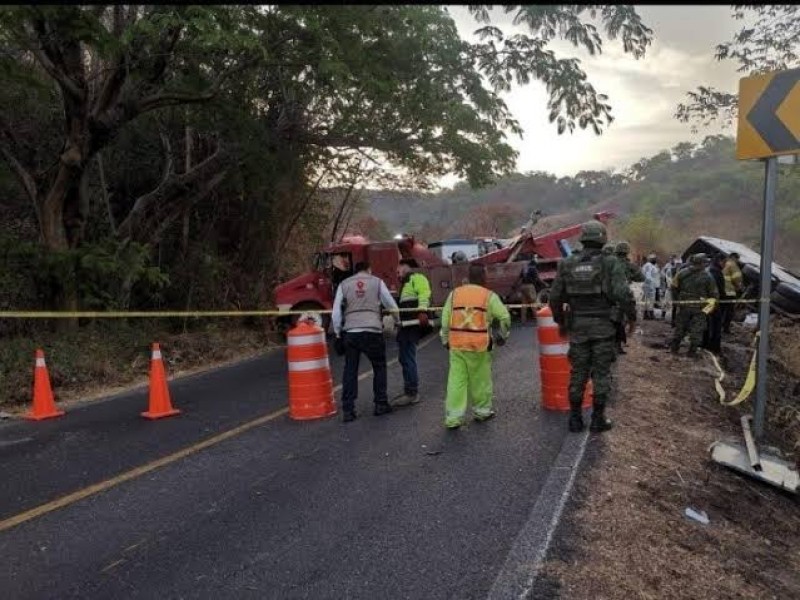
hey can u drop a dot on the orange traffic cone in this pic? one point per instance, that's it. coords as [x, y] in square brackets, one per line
[44, 406]
[160, 405]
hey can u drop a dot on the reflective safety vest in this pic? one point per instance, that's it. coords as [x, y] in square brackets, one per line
[469, 326]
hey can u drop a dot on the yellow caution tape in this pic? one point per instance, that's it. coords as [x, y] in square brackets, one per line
[197, 314]
[718, 381]
[749, 383]
[711, 304]
[750, 380]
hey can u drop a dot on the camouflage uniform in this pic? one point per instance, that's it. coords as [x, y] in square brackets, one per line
[627, 309]
[693, 283]
[590, 283]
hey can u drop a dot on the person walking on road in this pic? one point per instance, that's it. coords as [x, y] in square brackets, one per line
[589, 284]
[467, 319]
[359, 329]
[732, 275]
[415, 292]
[694, 285]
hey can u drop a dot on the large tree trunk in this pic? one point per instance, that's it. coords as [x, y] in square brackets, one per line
[63, 220]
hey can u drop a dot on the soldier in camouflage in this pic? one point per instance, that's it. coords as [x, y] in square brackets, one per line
[694, 284]
[628, 308]
[633, 273]
[590, 284]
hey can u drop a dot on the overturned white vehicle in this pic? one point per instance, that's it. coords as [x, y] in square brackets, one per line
[785, 292]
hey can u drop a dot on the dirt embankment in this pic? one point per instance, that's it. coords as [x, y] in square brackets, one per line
[110, 356]
[625, 535]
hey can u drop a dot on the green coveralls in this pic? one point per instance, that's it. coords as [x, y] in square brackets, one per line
[471, 372]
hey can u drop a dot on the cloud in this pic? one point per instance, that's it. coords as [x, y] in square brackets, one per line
[644, 93]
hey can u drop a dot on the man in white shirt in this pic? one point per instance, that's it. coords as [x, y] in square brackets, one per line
[652, 285]
[358, 327]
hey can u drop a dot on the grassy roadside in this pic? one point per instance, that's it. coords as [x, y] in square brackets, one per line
[624, 534]
[107, 356]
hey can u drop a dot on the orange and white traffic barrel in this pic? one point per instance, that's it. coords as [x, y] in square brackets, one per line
[310, 381]
[554, 365]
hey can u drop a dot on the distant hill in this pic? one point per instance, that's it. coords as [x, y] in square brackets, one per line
[663, 202]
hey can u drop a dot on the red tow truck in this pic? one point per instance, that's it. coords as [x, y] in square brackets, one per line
[314, 290]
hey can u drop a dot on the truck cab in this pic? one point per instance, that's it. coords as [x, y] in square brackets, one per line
[316, 289]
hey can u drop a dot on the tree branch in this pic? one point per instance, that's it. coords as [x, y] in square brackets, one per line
[164, 99]
[25, 178]
[150, 208]
[66, 84]
[49, 57]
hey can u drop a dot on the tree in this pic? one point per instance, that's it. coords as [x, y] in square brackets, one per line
[259, 107]
[573, 100]
[769, 40]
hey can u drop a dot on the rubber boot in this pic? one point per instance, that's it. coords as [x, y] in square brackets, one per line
[599, 422]
[575, 424]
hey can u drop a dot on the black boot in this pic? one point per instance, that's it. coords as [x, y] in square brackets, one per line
[599, 422]
[382, 408]
[576, 419]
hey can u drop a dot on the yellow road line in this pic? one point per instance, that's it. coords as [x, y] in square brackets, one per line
[134, 473]
[116, 563]
[102, 486]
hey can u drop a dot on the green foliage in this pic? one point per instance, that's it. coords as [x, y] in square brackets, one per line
[289, 99]
[767, 41]
[663, 202]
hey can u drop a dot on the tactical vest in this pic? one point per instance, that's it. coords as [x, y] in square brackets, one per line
[469, 326]
[584, 281]
[692, 284]
[362, 303]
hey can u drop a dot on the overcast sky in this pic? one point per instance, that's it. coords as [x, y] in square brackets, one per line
[643, 93]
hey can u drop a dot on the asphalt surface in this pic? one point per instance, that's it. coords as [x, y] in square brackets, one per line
[384, 507]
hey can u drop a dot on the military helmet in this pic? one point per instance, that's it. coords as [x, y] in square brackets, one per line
[593, 231]
[608, 249]
[623, 248]
[698, 259]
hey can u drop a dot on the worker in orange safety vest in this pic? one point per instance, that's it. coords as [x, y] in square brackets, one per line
[467, 319]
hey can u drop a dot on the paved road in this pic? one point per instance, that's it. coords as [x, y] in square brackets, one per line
[389, 507]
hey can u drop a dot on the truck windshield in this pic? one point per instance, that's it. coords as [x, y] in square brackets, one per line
[319, 261]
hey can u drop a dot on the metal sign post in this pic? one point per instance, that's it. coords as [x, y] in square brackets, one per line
[769, 127]
[767, 235]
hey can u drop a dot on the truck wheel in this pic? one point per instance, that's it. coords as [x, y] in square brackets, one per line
[787, 297]
[752, 274]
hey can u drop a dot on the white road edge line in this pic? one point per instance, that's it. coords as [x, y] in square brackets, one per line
[529, 550]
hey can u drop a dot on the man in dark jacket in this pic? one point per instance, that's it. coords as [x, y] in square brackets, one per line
[712, 340]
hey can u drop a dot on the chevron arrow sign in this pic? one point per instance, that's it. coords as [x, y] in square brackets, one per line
[769, 115]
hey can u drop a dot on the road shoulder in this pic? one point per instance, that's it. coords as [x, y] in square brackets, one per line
[624, 534]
